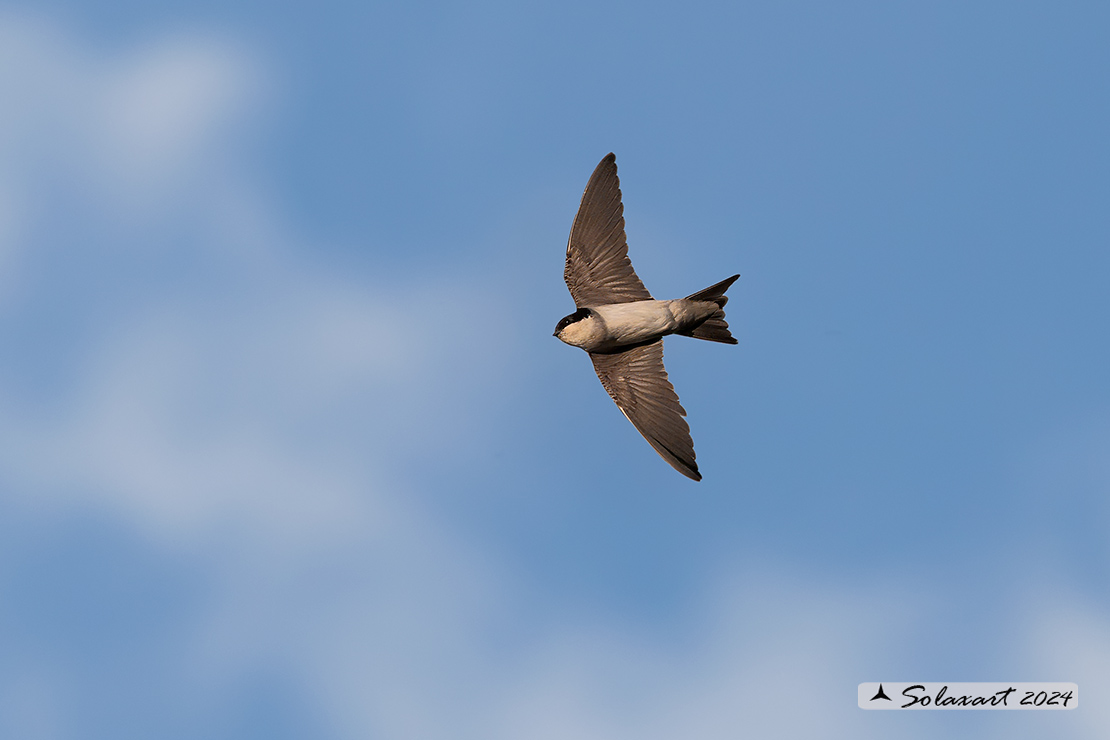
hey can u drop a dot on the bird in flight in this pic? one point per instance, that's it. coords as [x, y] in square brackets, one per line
[622, 327]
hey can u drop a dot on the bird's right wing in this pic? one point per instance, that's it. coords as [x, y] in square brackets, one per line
[637, 381]
[598, 271]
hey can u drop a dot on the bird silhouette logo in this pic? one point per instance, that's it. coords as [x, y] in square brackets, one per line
[881, 695]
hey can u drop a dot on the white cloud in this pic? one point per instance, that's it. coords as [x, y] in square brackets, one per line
[1068, 639]
[128, 135]
[753, 649]
[256, 421]
[198, 406]
[190, 417]
[161, 107]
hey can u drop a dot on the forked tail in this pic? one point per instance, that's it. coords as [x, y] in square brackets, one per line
[714, 329]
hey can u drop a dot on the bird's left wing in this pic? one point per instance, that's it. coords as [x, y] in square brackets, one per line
[598, 271]
[637, 381]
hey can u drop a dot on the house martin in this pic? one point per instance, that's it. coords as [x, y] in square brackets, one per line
[622, 327]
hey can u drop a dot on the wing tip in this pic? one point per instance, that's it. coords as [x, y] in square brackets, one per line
[689, 468]
[693, 475]
[608, 163]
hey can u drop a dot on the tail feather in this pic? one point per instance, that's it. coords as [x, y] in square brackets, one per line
[714, 292]
[715, 328]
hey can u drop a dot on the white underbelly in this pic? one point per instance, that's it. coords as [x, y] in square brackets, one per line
[641, 321]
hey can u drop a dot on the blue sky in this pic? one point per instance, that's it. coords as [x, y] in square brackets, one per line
[287, 449]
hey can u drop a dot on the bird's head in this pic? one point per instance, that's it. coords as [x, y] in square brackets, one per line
[578, 328]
